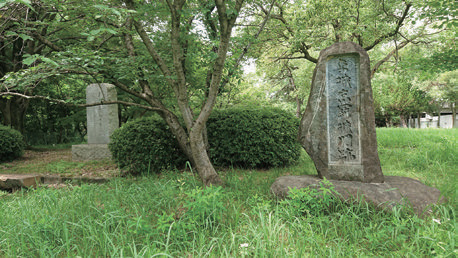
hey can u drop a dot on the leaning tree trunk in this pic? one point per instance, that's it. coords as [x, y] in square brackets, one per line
[202, 161]
[195, 147]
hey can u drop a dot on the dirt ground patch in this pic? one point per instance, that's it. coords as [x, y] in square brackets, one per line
[58, 162]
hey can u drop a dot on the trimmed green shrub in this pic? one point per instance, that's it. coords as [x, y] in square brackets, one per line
[253, 137]
[145, 146]
[11, 144]
[247, 137]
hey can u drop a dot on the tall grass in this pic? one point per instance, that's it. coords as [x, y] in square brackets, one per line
[429, 155]
[170, 215]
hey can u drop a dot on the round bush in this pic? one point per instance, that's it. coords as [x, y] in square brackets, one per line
[145, 146]
[252, 137]
[11, 144]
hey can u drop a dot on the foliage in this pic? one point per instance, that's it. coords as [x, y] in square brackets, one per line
[49, 123]
[145, 146]
[202, 209]
[11, 144]
[253, 137]
[205, 207]
[300, 29]
[395, 95]
[286, 81]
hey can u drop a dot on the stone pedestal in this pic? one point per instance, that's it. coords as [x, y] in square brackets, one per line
[394, 191]
[102, 120]
[84, 152]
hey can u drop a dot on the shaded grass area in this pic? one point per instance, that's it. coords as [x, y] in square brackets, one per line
[172, 215]
[57, 159]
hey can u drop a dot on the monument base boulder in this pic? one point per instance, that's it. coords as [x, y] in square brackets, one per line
[394, 191]
[84, 152]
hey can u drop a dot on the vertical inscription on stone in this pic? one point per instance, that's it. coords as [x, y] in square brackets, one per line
[342, 82]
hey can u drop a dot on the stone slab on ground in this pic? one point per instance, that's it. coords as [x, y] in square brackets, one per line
[16, 181]
[395, 190]
[84, 152]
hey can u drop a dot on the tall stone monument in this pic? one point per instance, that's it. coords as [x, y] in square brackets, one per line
[102, 120]
[338, 127]
[338, 132]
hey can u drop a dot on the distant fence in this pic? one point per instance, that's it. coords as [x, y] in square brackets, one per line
[431, 122]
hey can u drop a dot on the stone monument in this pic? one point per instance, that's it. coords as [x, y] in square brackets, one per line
[102, 120]
[338, 132]
[338, 127]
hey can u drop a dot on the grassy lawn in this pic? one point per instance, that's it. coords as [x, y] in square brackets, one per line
[171, 215]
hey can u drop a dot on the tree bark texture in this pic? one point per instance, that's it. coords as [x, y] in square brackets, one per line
[13, 112]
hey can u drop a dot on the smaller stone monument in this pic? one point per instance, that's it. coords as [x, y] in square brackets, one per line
[102, 120]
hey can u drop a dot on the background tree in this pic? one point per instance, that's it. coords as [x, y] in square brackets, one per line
[286, 81]
[16, 44]
[298, 30]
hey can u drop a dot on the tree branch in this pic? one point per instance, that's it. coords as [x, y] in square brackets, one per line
[151, 49]
[398, 26]
[47, 42]
[387, 57]
[245, 49]
[79, 105]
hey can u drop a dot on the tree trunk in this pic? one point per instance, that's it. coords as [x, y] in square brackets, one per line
[402, 119]
[196, 149]
[439, 119]
[180, 134]
[453, 115]
[298, 107]
[418, 120]
[13, 112]
[202, 161]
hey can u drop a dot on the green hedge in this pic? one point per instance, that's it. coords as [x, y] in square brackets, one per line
[11, 144]
[145, 145]
[243, 137]
[253, 137]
